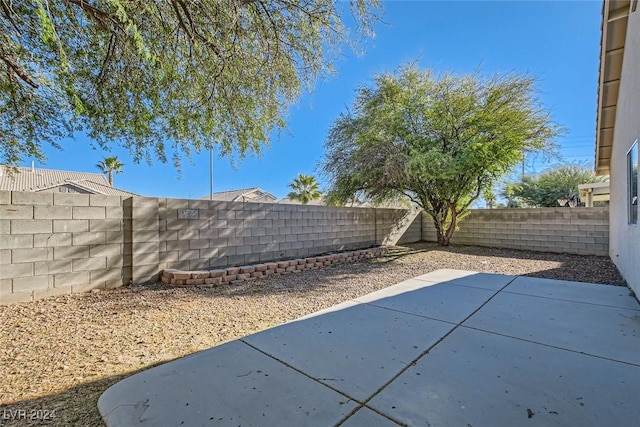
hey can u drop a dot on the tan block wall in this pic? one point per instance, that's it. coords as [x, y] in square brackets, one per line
[58, 243]
[201, 234]
[583, 231]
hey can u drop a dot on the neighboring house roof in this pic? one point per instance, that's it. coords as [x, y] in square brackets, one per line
[36, 179]
[594, 192]
[253, 194]
[99, 188]
[615, 16]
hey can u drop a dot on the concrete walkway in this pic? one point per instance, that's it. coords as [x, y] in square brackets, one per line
[450, 348]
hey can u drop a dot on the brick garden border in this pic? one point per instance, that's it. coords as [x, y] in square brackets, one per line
[235, 275]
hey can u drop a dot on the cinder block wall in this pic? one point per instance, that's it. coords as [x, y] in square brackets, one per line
[583, 231]
[201, 234]
[58, 243]
[413, 233]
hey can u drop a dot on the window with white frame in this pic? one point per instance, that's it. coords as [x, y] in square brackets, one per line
[632, 182]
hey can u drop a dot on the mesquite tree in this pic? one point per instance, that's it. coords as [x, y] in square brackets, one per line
[160, 76]
[545, 189]
[439, 141]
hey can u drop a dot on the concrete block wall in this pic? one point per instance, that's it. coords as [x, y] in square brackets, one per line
[582, 231]
[142, 239]
[398, 226]
[58, 243]
[201, 234]
[413, 232]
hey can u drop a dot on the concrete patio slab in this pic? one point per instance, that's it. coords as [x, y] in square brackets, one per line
[475, 378]
[397, 289]
[365, 417]
[355, 350]
[513, 352]
[332, 309]
[493, 282]
[228, 385]
[444, 274]
[598, 330]
[441, 301]
[613, 296]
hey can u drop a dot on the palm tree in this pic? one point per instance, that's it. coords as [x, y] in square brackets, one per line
[110, 165]
[305, 189]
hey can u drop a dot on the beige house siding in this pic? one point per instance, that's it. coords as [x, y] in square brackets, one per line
[624, 248]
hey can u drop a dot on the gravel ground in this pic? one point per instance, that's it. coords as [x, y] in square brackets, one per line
[58, 355]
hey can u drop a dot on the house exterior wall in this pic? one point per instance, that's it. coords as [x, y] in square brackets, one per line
[66, 188]
[624, 247]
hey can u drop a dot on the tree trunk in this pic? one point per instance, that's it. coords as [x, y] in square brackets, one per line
[111, 178]
[445, 231]
[441, 234]
[452, 225]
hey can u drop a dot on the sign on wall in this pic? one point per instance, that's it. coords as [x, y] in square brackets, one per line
[187, 213]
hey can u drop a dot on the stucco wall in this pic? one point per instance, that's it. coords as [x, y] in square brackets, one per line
[625, 238]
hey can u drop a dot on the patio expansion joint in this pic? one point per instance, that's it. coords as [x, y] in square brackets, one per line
[408, 313]
[420, 356]
[318, 380]
[572, 301]
[461, 285]
[551, 346]
[360, 404]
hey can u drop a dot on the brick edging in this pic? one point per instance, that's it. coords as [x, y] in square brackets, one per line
[235, 275]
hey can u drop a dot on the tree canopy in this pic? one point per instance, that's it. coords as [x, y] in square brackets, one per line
[440, 141]
[305, 189]
[545, 189]
[161, 76]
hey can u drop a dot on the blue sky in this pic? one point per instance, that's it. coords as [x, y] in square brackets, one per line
[556, 42]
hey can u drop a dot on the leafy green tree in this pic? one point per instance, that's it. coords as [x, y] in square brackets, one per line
[305, 189]
[489, 197]
[110, 165]
[438, 141]
[510, 189]
[161, 75]
[545, 189]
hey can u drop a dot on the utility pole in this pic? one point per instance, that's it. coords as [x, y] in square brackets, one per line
[211, 172]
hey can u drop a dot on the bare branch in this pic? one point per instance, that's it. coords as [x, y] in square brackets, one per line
[19, 71]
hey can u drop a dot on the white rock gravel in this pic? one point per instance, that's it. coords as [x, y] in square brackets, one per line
[59, 354]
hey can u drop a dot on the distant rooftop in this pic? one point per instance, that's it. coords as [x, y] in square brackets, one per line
[50, 180]
[253, 194]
